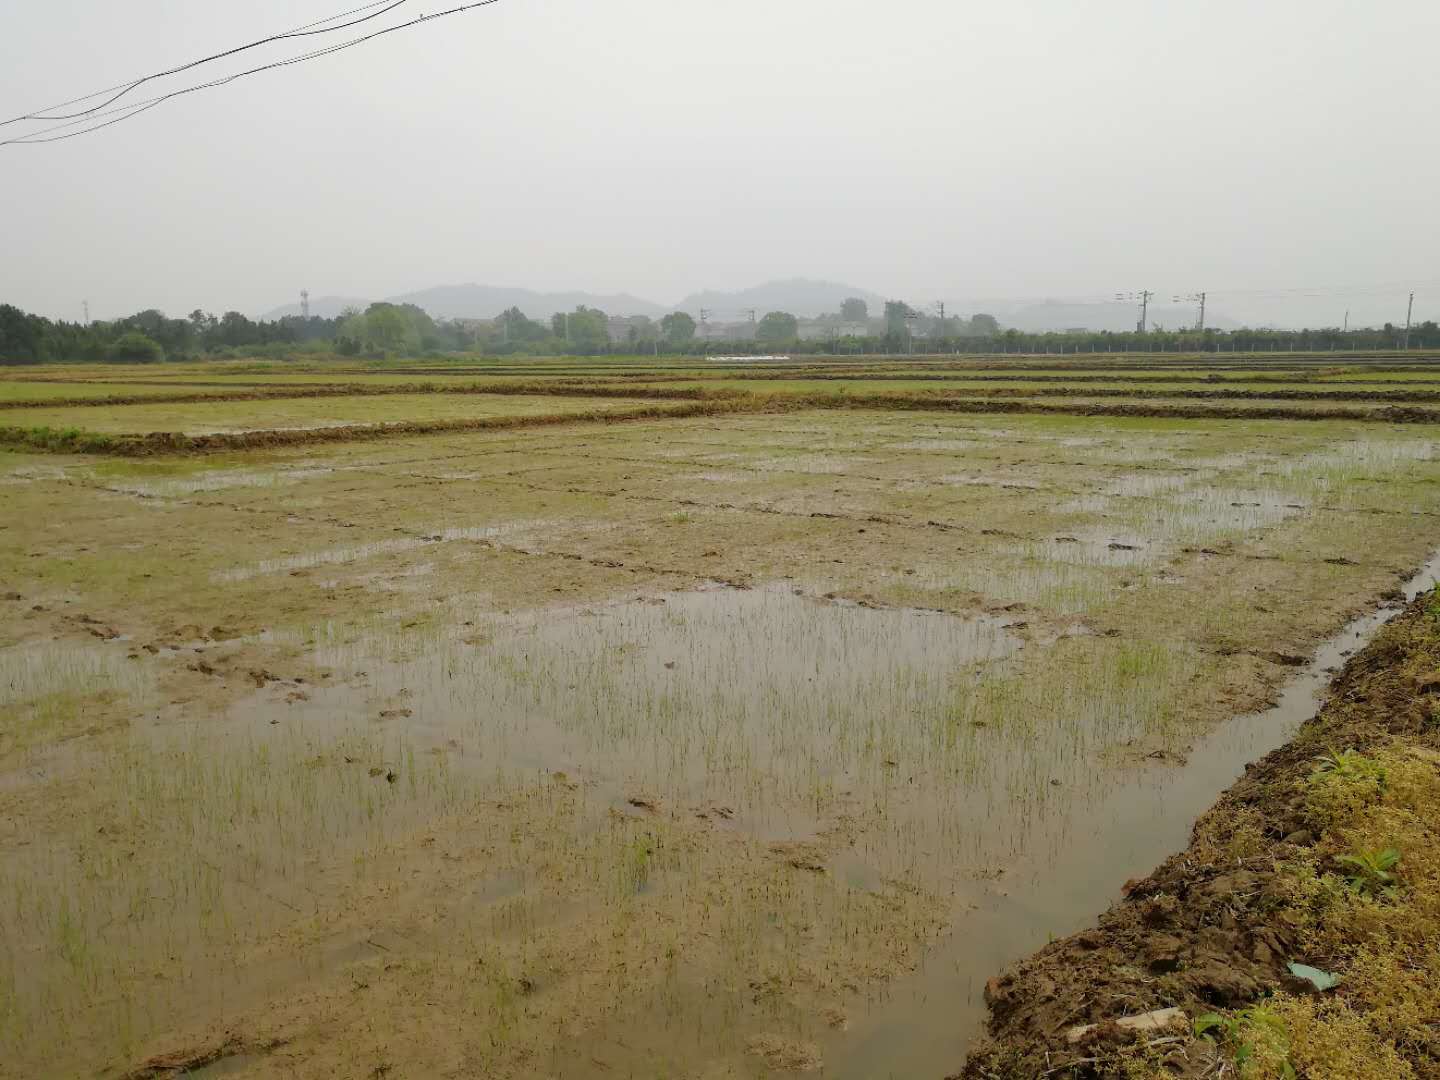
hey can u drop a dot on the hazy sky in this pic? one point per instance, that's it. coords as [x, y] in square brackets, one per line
[928, 149]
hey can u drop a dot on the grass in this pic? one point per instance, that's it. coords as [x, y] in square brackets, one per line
[199, 419]
[1364, 903]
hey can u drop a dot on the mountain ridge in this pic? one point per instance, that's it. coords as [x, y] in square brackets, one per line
[804, 297]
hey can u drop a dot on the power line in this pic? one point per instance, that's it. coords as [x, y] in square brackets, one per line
[134, 109]
[1143, 296]
[308, 30]
[1193, 298]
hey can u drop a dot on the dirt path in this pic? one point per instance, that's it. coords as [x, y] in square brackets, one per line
[1269, 880]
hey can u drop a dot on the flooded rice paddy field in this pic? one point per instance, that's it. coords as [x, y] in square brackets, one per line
[1338, 379]
[711, 747]
[202, 418]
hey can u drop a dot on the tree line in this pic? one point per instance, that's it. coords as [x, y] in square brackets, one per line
[390, 330]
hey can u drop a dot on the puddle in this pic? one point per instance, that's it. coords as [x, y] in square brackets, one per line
[926, 1022]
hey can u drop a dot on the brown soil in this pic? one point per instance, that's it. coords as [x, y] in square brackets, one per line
[1200, 933]
[710, 404]
[1170, 412]
[169, 442]
[282, 393]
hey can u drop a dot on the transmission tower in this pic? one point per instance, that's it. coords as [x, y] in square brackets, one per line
[705, 323]
[1195, 298]
[85, 307]
[1143, 296]
[305, 304]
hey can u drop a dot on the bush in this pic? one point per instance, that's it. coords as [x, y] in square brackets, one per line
[134, 348]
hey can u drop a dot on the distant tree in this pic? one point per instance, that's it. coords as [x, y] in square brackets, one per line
[589, 330]
[202, 326]
[777, 326]
[20, 336]
[515, 328]
[678, 328]
[641, 330]
[983, 325]
[854, 310]
[236, 330]
[896, 314]
[133, 347]
[351, 333]
[390, 328]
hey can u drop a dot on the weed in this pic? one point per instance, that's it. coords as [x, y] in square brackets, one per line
[1255, 1037]
[1371, 872]
[1341, 785]
[1432, 604]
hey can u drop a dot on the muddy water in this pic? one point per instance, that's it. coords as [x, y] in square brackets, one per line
[774, 706]
[960, 752]
[925, 1023]
[780, 716]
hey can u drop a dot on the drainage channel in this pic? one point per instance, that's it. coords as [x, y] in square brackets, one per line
[926, 1023]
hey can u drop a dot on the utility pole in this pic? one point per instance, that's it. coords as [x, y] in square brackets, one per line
[305, 304]
[1194, 298]
[1143, 296]
[1409, 308]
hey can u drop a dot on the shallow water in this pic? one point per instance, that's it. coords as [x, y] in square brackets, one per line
[926, 1022]
[762, 700]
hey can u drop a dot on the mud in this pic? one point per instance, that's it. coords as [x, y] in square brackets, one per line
[157, 443]
[160, 443]
[279, 392]
[1394, 415]
[450, 755]
[1199, 933]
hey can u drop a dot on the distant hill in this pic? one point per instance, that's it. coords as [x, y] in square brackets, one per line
[322, 307]
[798, 296]
[1060, 315]
[487, 301]
[484, 302]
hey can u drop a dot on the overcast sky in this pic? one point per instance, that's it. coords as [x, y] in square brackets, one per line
[926, 149]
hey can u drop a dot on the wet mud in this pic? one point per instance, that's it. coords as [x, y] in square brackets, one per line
[1201, 932]
[446, 755]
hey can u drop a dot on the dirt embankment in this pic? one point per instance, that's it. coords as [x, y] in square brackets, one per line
[1326, 853]
[693, 403]
[1141, 409]
[258, 392]
[169, 442]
